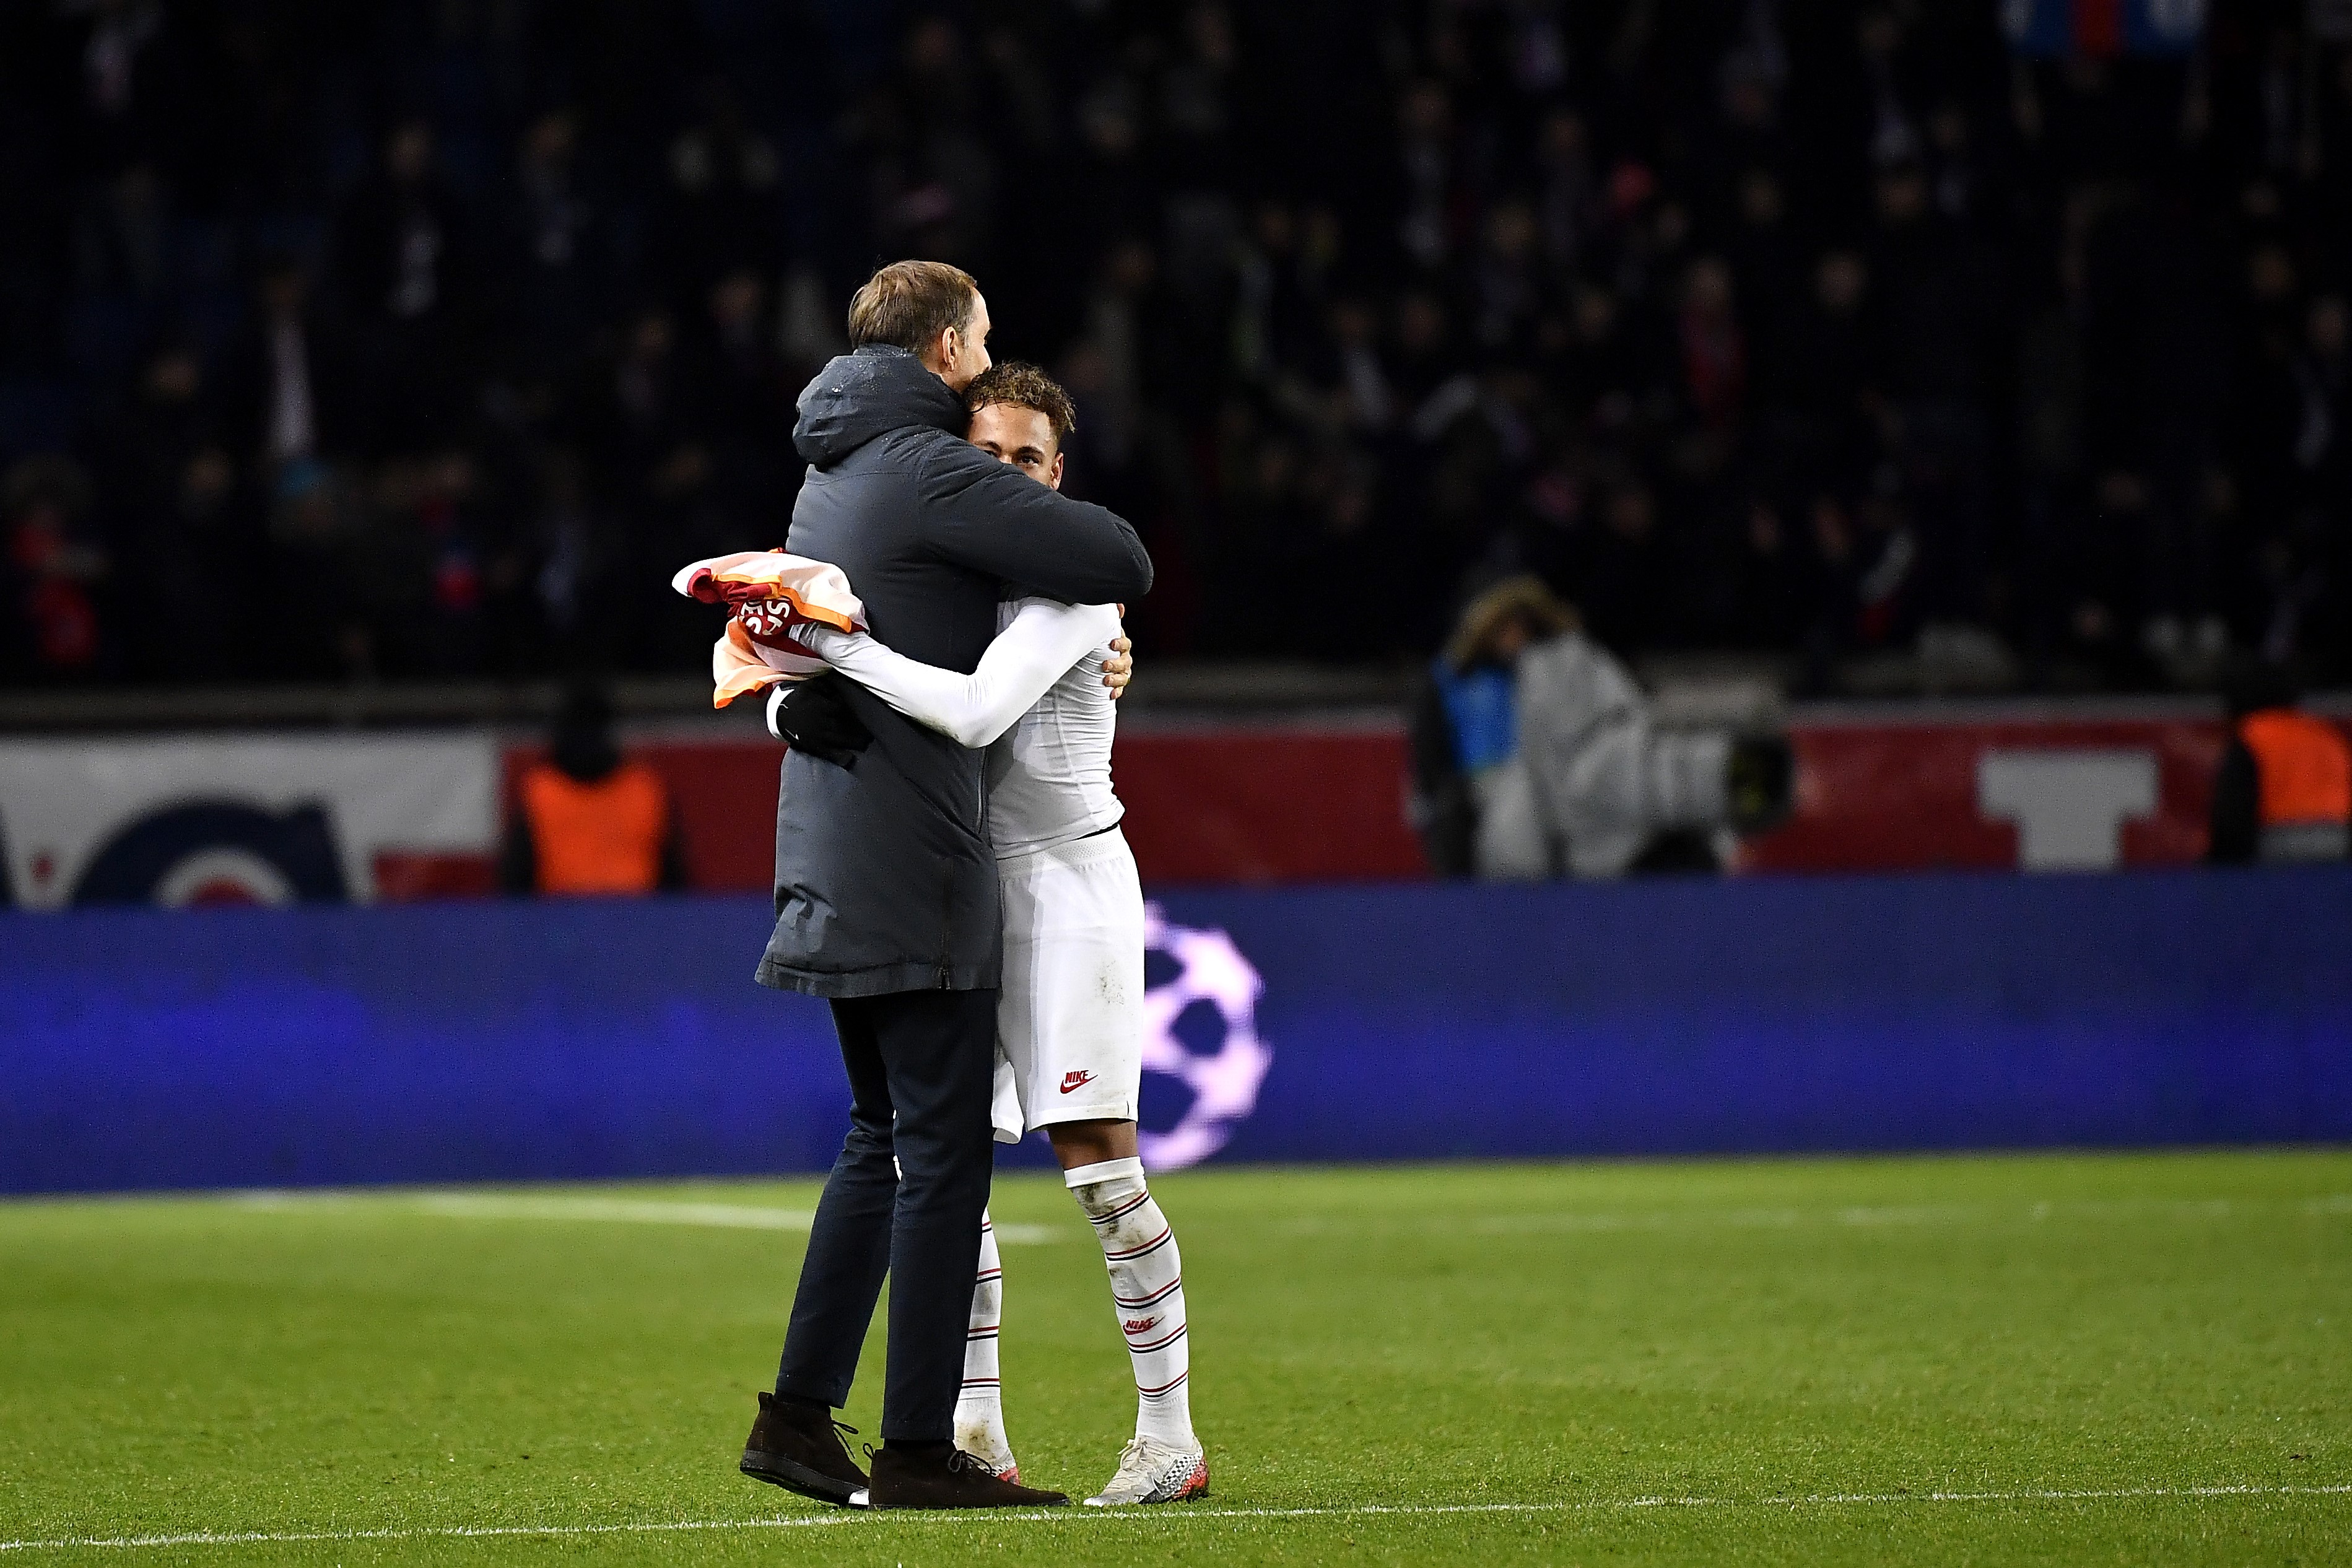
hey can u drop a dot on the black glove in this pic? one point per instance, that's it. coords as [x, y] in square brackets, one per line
[815, 717]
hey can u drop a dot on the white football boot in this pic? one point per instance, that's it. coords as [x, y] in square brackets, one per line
[1153, 1472]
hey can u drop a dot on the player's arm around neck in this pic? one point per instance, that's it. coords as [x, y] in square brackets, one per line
[1044, 641]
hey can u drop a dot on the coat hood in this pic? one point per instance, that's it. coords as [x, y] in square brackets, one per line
[870, 393]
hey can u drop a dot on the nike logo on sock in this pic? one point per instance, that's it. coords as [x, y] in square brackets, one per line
[1071, 1080]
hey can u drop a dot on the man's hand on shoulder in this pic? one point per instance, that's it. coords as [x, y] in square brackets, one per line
[1119, 668]
[992, 519]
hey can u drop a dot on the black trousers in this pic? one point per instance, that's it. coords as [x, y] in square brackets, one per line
[921, 1073]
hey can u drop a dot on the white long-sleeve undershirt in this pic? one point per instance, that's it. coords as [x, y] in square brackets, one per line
[1037, 702]
[1044, 640]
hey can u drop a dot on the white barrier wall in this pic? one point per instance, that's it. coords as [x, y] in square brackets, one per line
[267, 819]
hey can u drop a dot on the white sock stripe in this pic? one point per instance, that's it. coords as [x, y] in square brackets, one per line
[1078, 1177]
[1113, 1215]
[1165, 1389]
[1146, 1250]
[1134, 1349]
[1154, 1298]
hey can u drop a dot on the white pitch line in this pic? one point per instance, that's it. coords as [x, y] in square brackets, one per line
[563, 1207]
[1603, 1220]
[624, 1211]
[1137, 1516]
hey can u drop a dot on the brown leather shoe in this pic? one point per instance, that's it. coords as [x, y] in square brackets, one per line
[798, 1446]
[948, 1478]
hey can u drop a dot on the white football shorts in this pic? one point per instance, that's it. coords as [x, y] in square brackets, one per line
[1069, 1022]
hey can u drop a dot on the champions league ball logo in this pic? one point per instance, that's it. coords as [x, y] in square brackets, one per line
[1213, 991]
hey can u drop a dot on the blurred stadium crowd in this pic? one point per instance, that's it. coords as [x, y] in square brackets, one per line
[414, 338]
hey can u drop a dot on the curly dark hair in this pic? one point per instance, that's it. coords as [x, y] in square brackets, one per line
[1020, 385]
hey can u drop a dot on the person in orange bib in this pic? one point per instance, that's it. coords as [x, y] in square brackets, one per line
[2283, 793]
[585, 821]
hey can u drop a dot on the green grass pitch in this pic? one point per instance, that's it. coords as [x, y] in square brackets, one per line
[2059, 1359]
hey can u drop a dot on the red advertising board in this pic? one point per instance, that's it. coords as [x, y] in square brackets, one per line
[1268, 804]
[2057, 786]
[1885, 795]
[1253, 805]
[198, 819]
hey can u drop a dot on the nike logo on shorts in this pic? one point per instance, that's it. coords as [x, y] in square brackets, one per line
[1071, 1080]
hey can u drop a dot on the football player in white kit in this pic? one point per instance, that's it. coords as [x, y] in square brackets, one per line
[1070, 1019]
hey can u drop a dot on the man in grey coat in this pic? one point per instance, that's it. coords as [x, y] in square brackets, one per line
[886, 885]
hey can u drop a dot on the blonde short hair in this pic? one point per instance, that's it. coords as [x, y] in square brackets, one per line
[909, 303]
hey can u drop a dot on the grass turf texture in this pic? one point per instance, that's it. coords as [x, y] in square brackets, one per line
[1797, 1356]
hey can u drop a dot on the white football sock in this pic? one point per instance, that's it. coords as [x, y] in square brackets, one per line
[980, 1408]
[1146, 1286]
